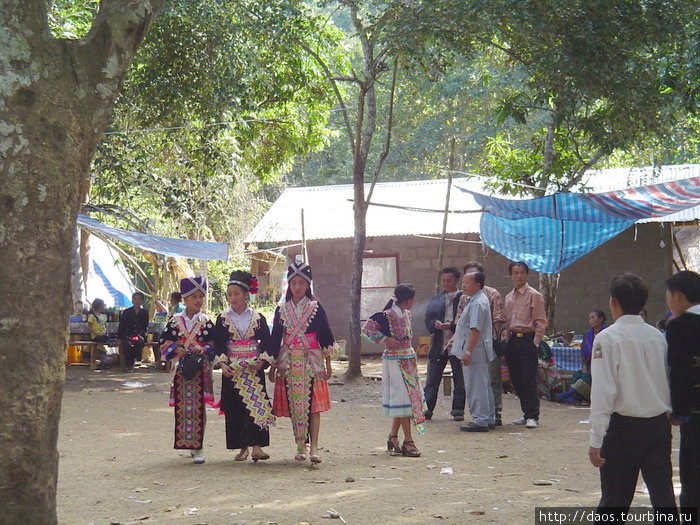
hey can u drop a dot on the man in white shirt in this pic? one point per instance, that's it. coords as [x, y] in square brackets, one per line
[630, 402]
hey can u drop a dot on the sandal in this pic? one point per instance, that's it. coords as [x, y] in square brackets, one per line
[391, 446]
[411, 452]
[300, 456]
[262, 456]
[315, 458]
[241, 456]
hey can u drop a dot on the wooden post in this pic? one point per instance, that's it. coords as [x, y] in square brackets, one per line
[441, 252]
[303, 238]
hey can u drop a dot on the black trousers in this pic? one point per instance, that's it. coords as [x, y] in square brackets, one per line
[132, 351]
[689, 462]
[521, 356]
[436, 367]
[630, 445]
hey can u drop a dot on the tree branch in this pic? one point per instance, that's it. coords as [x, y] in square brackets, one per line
[338, 96]
[390, 119]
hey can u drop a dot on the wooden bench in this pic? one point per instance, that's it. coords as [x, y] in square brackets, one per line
[89, 345]
[447, 384]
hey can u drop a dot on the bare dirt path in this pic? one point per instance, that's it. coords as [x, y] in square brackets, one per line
[118, 466]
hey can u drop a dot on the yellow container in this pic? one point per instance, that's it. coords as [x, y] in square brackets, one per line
[423, 346]
[74, 354]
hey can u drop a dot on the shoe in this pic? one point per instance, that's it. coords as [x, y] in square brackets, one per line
[391, 446]
[499, 421]
[300, 455]
[531, 423]
[458, 417]
[241, 456]
[519, 421]
[261, 457]
[411, 452]
[428, 415]
[315, 458]
[199, 456]
[473, 427]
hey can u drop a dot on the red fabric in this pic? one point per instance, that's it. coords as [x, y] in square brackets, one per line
[320, 398]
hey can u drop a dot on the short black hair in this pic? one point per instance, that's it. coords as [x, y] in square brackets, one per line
[600, 314]
[687, 283]
[518, 263]
[473, 264]
[478, 277]
[177, 296]
[451, 269]
[140, 294]
[630, 291]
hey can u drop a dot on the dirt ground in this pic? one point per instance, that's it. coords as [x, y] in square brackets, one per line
[117, 464]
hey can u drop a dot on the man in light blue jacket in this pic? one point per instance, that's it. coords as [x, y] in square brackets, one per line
[473, 344]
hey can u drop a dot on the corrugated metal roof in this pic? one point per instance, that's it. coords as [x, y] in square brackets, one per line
[328, 210]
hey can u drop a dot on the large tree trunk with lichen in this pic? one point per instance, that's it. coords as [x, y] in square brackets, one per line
[56, 97]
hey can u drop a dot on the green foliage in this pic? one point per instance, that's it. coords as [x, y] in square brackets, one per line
[71, 18]
[219, 101]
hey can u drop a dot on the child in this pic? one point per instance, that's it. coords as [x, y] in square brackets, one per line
[242, 342]
[97, 322]
[176, 305]
[188, 340]
[402, 395]
[301, 342]
[97, 325]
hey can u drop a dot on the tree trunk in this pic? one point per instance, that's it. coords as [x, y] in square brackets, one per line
[358, 250]
[549, 283]
[55, 100]
[77, 277]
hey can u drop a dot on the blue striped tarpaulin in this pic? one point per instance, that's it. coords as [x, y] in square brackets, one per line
[549, 233]
[157, 244]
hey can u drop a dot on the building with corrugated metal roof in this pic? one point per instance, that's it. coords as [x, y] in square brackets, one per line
[405, 225]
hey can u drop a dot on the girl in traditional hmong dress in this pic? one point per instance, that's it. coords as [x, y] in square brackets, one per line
[402, 395]
[242, 343]
[190, 332]
[302, 344]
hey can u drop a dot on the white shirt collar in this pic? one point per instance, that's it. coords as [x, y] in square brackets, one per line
[190, 323]
[695, 309]
[243, 313]
[398, 311]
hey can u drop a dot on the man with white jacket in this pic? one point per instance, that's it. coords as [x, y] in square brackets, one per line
[630, 402]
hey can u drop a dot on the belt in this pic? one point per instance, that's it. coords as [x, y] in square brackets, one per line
[521, 334]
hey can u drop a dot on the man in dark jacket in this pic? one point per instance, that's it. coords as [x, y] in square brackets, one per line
[440, 322]
[683, 336]
[133, 325]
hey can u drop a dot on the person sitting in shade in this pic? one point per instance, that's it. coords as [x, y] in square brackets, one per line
[581, 381]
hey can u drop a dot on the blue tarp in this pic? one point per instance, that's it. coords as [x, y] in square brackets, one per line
[162, 245]
[549, 233]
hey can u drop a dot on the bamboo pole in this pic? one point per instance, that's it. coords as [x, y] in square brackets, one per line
[441, 251]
